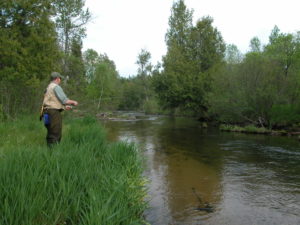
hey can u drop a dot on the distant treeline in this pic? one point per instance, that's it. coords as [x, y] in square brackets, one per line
[200, 75]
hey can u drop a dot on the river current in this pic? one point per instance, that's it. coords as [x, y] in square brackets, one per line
[205, 176]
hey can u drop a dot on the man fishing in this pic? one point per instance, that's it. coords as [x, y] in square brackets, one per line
[55, 101]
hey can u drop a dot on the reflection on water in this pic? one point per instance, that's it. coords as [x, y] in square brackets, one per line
[248, 179]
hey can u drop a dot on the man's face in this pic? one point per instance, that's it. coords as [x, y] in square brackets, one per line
[58, 80]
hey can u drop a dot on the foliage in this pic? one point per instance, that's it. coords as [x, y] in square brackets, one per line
[285, 115]
[70, 18]
[193, 53]
[200, 75]
[144, 63]
[75, 74]
[103, 87]
[262, 88]
[132, 94]
[84, 180]
[207, 46]
[137, 92]
[170, 83]
[91, 59]
[28, 52]
[255, 45]
[233, 55]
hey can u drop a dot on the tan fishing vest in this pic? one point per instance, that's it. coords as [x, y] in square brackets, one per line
[50, 99]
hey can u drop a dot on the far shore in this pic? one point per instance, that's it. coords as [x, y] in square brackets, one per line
[258, 130]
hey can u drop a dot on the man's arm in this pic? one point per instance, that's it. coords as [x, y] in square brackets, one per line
[62, 97]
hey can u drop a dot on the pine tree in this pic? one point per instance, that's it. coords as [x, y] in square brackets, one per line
[28, 52]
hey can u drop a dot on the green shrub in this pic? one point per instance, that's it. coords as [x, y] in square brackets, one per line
[285, 115]
[151, 106]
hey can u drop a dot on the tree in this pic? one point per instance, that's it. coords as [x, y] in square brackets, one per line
[233, 54]
[144, 70]
[70, 19]
[91, 59]
[28, 52]
[133, 95]
[144, 63]
[180, 23]
[207, 45]
[264, 88]
[274, 34]
[193, 53]
[75, 69]
[169, 84]
[283, 53]
[255, 45]
[282, 50]
[104, 86]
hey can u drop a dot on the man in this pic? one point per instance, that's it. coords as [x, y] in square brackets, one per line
[55, 101]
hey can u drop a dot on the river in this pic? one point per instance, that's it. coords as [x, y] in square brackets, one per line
[242, 179]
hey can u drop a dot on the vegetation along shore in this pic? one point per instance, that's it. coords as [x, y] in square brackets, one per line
[83, 180]
[258, 130]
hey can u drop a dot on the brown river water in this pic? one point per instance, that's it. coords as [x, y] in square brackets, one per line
[241, 179]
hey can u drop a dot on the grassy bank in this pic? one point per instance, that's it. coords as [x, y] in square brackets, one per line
[246, 129]
[84, 180]
[254, 130]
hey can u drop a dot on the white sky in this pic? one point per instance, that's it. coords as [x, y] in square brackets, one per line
[121, 28]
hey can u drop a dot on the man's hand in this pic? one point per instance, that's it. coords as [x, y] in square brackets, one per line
[71, 102]
[68, 107]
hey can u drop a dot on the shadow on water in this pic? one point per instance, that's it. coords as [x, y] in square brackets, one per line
[239, 178]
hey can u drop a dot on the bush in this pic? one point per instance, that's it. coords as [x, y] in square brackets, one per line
[284, 115]
[151, 107]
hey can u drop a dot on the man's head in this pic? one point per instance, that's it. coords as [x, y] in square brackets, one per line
[55, 76]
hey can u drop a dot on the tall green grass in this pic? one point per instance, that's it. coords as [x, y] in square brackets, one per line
[83, 180]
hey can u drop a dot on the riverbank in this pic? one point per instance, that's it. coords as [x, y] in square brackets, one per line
[251, 129]
[134, 116]
[83, 180]
[257, 130]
